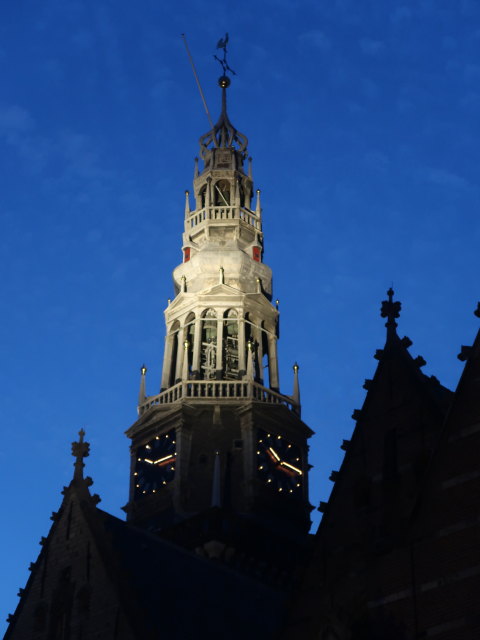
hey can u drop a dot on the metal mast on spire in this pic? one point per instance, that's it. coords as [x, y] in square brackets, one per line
[197, 80]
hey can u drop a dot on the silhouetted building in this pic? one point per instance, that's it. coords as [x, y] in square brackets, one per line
[397, 554]
[216, 544]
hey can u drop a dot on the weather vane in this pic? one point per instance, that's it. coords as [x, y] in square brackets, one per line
[222, 44]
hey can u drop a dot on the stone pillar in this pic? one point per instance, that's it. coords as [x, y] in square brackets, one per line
[185, 371]
[179, 363]
[167, 361]
[273, 362]
[197, 341]
[259, 340]
[219, 363]
[242, 365]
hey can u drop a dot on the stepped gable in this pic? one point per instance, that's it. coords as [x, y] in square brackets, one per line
[396, 430]
[74, 585]
[445, 534]
[366, 518]
[100, 576]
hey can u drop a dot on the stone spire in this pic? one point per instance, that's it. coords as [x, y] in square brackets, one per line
[224, 135]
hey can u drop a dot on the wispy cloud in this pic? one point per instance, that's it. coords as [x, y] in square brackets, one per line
[371, 47]
[400, 14]
[444, 178]
[316, 39]
[377, 160]
[14, 119]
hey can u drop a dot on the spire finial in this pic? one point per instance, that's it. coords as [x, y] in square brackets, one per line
[142, 392]
[296, 388]
[258, 208]
[390, 310]
[80, 450]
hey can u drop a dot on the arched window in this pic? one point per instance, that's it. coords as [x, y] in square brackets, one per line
[208, 361]
[221, 197]
[230, 344]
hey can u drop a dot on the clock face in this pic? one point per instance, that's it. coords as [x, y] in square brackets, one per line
[155, 464]
[279, 463]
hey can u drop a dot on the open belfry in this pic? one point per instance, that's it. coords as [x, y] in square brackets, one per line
[216, 539]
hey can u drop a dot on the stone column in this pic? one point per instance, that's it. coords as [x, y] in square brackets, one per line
[219, 363]
[259, 340]
[273, 362]
[180, 350]
[197, 341]
[242, 366]
[167, 360]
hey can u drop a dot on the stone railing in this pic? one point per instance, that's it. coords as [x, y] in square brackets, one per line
[222, 390]
[223, 213]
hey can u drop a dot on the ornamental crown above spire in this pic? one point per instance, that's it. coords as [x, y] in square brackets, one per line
[390, 310]
[223, 135]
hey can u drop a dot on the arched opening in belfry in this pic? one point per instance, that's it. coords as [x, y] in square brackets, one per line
[241, 191]
[189, 336]
[230, 345]
[208, 352]
[221, 193]
[203, 196]
[265, 357]
[173, 338]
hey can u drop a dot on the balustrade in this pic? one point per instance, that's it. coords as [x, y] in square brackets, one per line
[223, 213]
[219, 389]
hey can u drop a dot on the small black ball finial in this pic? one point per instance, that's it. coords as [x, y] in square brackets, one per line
[224, 82]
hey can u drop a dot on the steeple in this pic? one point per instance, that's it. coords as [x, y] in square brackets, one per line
[220, 396]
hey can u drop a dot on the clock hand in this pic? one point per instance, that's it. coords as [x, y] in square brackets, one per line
[289, 466]
[161, 461]
[273, 454]
[165, 459]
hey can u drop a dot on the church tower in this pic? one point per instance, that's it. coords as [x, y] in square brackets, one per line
[220, 435]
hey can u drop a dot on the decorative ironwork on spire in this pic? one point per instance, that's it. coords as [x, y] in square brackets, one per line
[224, 135]
[222, 44]
[390, 310]
[80, 450]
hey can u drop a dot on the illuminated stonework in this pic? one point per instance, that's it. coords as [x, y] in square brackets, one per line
[220, 388]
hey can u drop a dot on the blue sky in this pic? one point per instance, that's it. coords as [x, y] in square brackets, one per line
[362, 119]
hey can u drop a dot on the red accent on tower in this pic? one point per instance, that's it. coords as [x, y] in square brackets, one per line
[257, 254]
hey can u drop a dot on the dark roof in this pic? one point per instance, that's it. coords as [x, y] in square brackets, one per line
[184, 595]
